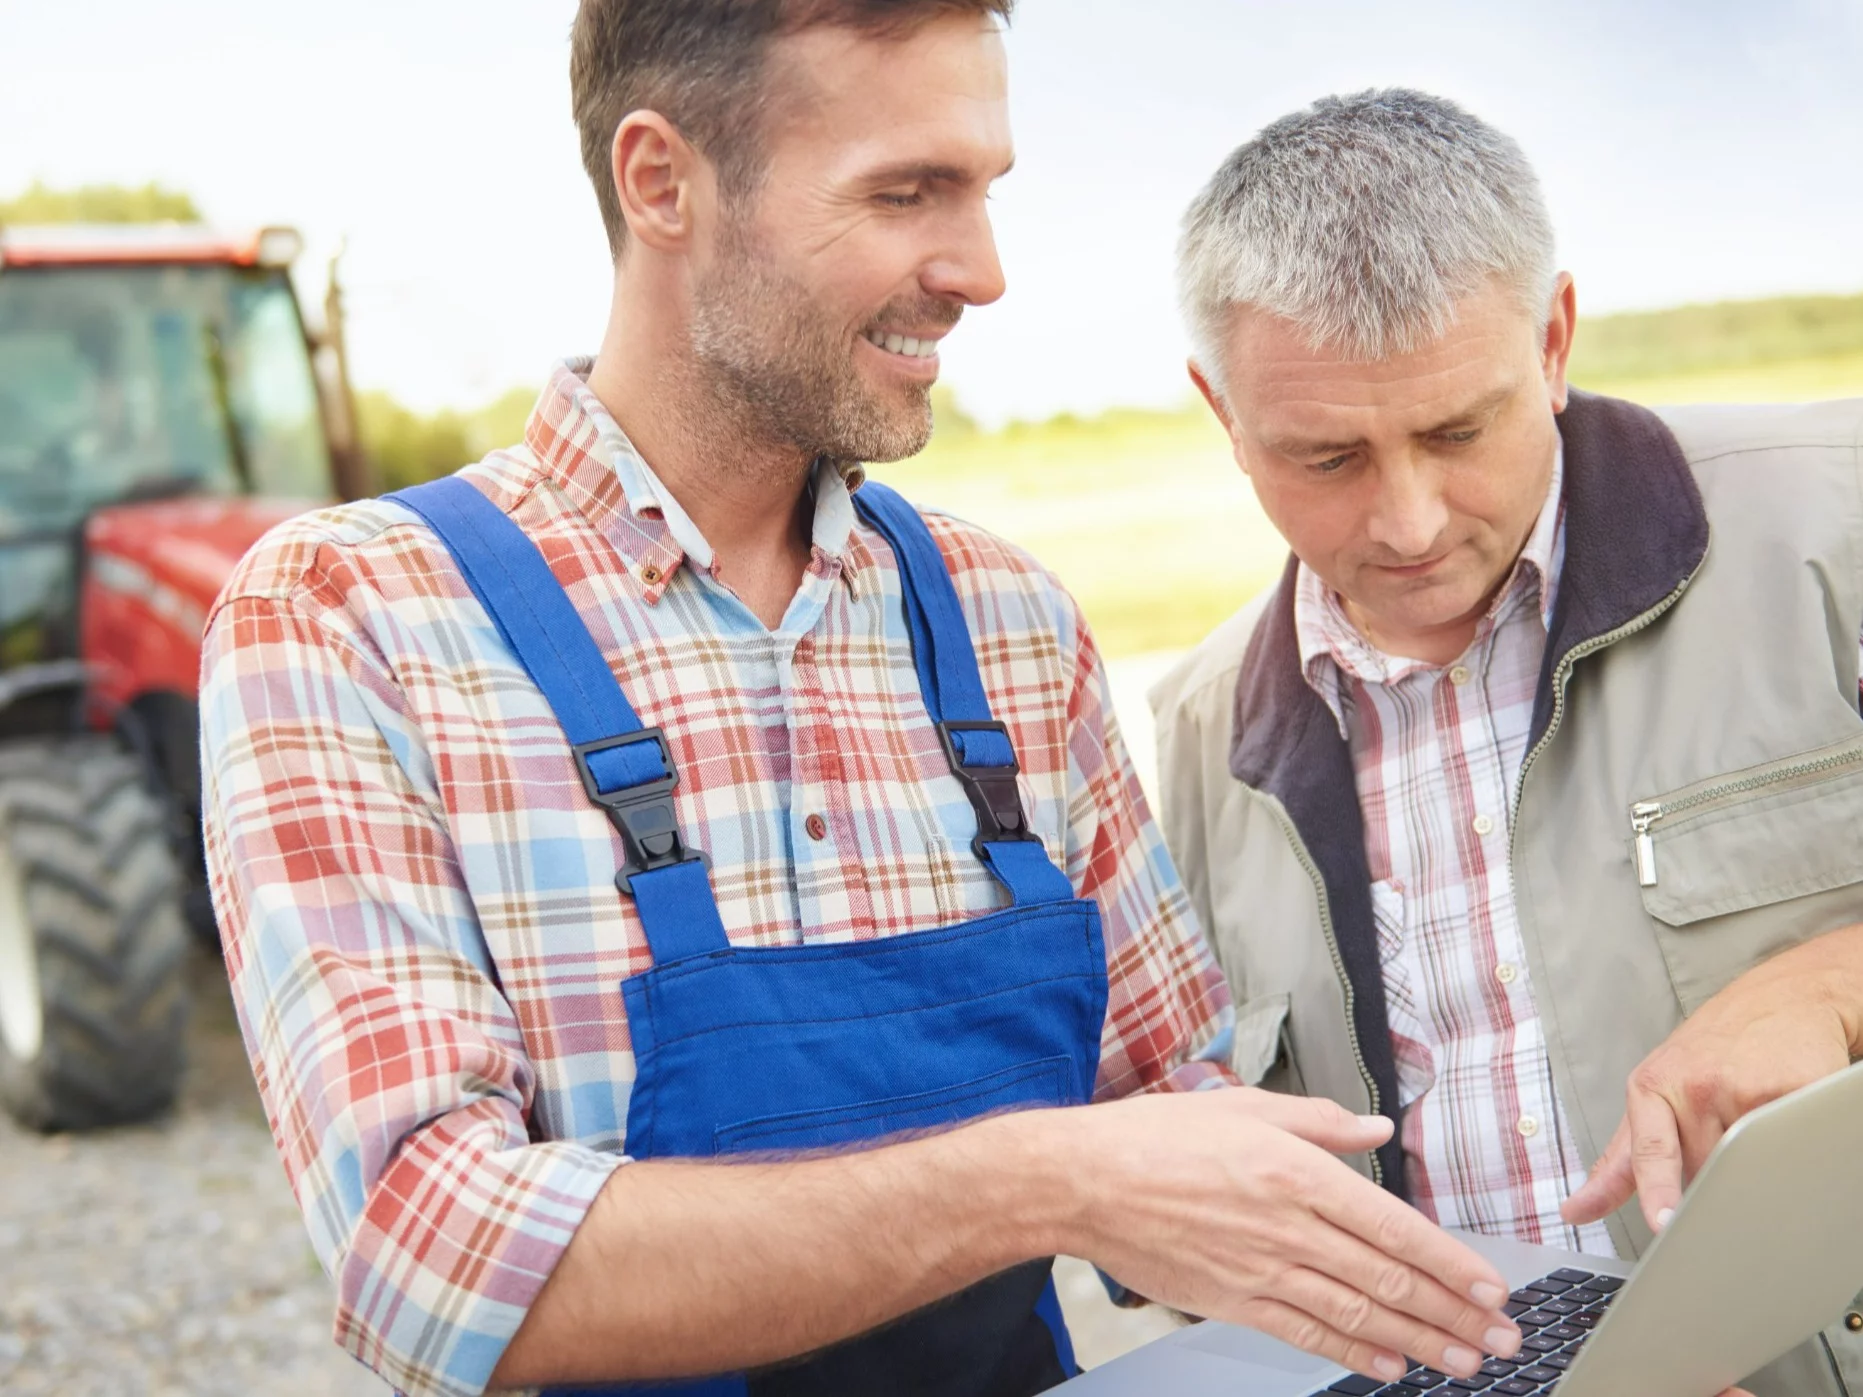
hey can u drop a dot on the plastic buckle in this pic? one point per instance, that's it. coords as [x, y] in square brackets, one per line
[643, 814]
[993, 792]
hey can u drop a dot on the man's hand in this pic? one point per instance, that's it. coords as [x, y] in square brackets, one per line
[1230, 1204]
[1781, 1026]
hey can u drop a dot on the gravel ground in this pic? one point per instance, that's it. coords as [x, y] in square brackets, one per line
[169, 1260]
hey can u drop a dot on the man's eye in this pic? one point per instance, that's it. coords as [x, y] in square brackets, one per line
[1462, 438]
[1329, 467]
[901, 201]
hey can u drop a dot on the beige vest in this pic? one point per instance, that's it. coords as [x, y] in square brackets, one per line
[1727, 708]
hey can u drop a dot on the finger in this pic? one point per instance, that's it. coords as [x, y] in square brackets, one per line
[1435, 1316]
[1699, 1137]
[1655, 1156]
[1611, 1185]
[1294, 1326]
[1359, 1316]
[1319, 1121]
[1359, 1207]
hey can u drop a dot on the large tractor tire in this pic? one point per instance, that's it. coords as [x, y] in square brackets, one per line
[93, 949]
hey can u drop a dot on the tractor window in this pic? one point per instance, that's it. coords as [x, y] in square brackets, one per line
[272, 391]
[116, 381]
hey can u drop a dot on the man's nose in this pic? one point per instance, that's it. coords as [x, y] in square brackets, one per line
[1408, 516]
[969, 270]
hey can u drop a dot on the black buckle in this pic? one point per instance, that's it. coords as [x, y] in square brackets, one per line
[993, 792]
[643, 814]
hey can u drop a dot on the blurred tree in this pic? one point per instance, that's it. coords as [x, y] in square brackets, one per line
[100, 203]
[500, 423]
[408, 448]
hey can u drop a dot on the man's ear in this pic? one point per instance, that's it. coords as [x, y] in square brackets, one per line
[1210, 395]
[1220, 407]
[1561, 328]
[661, 181]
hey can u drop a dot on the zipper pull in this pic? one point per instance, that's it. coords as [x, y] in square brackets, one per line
[1642, 816]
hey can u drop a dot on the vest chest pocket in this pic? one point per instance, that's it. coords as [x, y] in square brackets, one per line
[1749, 840]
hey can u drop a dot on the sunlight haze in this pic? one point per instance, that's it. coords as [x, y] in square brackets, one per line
[1691, 151]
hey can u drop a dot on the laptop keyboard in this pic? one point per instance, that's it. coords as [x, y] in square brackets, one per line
[1556, 1315]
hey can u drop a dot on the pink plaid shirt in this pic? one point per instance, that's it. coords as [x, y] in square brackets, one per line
[1437, 751]
[417, 899]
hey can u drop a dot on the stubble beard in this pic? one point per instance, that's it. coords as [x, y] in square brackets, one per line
[774, 366]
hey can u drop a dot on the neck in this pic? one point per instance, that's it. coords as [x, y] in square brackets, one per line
[1436, 645]
[748, 496]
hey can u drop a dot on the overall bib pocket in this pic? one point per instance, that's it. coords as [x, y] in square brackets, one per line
[1031, 1084]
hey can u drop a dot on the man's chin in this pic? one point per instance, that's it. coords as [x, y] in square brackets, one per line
[889, 432]
[1420, 607]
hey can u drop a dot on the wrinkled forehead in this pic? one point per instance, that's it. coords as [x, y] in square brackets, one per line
[1280, 384]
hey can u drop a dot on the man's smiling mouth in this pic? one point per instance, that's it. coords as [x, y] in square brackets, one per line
[906, 346]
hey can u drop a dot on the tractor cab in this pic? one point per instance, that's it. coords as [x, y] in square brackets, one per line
[162, 404]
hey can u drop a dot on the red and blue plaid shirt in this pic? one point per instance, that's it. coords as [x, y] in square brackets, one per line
[417, 899]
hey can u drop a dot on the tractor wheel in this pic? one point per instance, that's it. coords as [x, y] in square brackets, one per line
[93, 950]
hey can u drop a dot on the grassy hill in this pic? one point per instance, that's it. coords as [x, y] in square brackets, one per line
[1712, 339]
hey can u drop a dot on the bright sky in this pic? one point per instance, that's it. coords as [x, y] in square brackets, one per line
[1692, 150]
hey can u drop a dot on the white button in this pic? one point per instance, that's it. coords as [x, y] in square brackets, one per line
[1506, 972]
[1528, 1126]
[1483, 825]
[1459, 675]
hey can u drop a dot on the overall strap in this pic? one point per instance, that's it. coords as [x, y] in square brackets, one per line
[976, 745]
[627, 769]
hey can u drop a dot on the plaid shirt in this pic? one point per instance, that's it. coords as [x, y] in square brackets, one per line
[1437, 752]
[422, 929]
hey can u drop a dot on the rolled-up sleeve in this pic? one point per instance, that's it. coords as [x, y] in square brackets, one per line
[1169, 1021]
[391, 1066]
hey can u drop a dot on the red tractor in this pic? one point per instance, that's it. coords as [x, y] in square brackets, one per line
[162, 404]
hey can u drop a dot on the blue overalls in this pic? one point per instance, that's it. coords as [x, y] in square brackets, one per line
[740, 1050]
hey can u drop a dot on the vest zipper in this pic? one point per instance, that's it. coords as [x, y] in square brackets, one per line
[1642, 815]
[1563, 673]
[1345, 983]
[1647, 813]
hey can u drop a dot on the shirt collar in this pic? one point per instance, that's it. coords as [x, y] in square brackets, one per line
[586, 454]
[1332, 649]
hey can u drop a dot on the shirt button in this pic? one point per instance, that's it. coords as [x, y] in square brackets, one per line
[817, 828]
[1506, 972]
[1484, 825]
[1528, 1126]
[1459, 675]
[651, 575]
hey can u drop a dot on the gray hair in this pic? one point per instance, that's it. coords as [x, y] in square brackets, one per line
[1364, 220]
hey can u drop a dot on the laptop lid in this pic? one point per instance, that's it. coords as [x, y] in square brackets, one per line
[1765, 1251]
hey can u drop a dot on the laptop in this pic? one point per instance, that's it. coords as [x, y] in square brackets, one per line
[1765, 1251]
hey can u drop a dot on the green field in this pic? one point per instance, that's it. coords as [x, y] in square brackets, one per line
[1150, 524]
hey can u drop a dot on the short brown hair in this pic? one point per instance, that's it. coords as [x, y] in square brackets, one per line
[700, 64]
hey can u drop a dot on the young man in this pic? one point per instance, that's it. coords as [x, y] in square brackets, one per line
[674, 634]
[1518, 788]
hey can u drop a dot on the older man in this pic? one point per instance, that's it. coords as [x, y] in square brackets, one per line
[1541, 771]
[674, 634]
